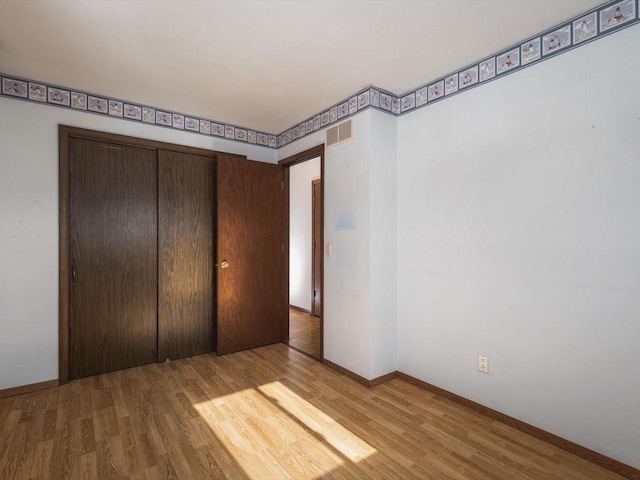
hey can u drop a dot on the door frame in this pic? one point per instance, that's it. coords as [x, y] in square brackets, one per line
[286, 163]
[65, 134]
[314, 250]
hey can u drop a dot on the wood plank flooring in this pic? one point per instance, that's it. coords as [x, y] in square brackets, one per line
[304, 332]
[268, 413]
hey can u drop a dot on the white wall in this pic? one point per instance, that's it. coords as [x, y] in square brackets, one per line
[519, 238]
[346, 225]
[300, 232]
[29, 227]
[359, 278]
[383, 236]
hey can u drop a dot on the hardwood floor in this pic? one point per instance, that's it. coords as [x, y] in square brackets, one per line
[304, 332]
[268, 413]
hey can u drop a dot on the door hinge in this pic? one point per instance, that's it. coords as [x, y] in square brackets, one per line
[282, 247]
[314, 294]
[283, 185]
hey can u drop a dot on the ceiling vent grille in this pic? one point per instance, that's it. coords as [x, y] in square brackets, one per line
[339, 134]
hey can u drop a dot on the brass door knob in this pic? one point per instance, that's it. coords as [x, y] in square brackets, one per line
[224, 264]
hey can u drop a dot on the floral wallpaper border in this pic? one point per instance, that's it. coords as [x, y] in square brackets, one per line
[596, 23]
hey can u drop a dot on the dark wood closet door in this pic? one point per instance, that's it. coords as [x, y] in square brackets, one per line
[250, 200]
[186, 314]
[113, 255]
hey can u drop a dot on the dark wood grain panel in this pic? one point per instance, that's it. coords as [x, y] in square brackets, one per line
[286, 333]
[186, 196]
[63, 255]
[66, 134]
[250, 199]
[113, 252]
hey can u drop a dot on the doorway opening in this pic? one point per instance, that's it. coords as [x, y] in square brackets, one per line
[304, 188]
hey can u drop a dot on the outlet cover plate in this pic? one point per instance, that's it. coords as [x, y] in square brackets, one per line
[483, 364]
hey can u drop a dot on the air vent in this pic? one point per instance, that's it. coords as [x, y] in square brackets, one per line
[339, 133]
[332, 136]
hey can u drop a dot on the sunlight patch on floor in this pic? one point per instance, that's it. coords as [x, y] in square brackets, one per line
[258, 426]
[340, 438]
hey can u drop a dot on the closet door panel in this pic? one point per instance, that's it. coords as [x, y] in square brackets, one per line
[186, 306]
[113, 256]
[250, 275]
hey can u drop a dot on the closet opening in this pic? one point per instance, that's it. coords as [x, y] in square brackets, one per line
[165, 252]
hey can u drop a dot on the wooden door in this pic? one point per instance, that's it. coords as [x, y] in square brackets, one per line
[113, 257]
[317, 247]
[186, 196]
[250, 249]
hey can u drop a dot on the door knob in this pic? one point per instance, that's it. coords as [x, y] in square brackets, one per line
[224, 264]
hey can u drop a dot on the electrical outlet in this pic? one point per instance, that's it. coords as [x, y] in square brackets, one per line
[483, 364]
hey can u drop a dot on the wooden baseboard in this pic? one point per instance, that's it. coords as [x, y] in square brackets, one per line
[358, 378]
[383, 379]
[300, 309]
[578, 450]
[34, 387]
[346, 373]
[566, 445]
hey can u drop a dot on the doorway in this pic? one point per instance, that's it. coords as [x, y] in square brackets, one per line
[304, 213]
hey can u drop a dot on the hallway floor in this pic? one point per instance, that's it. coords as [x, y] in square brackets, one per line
[304, 332]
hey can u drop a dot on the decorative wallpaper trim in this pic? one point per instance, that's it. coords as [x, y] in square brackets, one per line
[591, 25]
[587, 27]
[73, 99]
[370, 97]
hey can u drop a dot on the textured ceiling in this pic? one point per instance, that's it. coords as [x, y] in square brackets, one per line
[260, 64]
